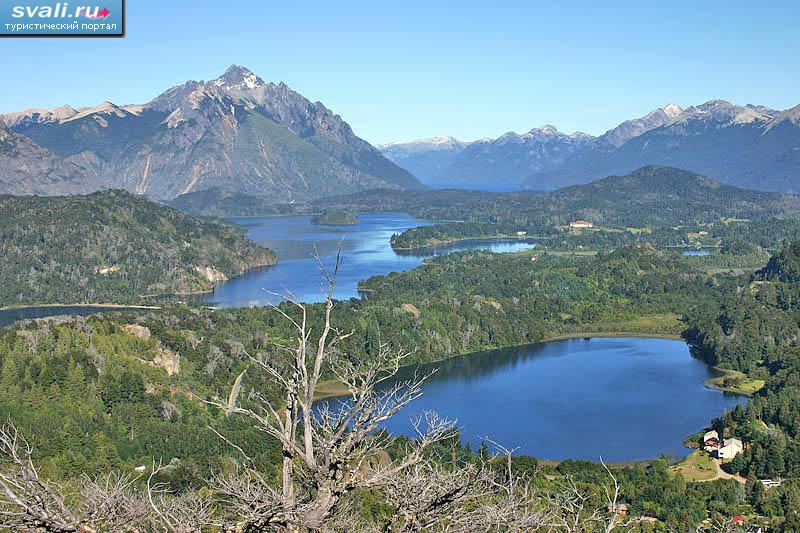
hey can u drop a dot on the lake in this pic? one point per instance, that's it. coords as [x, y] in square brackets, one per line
[295, 239]
[9, 316]
[622, 399]
[365, 247]
[697, 252]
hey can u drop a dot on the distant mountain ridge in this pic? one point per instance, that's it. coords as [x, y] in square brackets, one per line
[748, 146]
[753, 147]
[425, 158]
[633, 128]
[236, 132]
[28, 168]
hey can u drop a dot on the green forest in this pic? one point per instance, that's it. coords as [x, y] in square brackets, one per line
[113, 247]
[112, 391]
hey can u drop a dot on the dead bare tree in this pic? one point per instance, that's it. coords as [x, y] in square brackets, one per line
[327, 453]
[110, 503]
[335, 448]
[27, 502]
[331, 451]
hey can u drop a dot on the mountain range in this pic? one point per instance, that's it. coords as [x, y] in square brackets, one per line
[747, 146]
[236, 132]
[425, 158]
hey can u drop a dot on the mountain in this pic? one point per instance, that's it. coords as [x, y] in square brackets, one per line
[29, 117]
[750, 146]
[511, 158]
[747, 146]
[27, 168]
[638, 126]
[236, 132]
[425, 158]
[664, 195]
[113, 247]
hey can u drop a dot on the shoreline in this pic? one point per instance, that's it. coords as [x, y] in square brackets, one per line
[748, 387]
[22, 307]
[461, 239]
[333, 388]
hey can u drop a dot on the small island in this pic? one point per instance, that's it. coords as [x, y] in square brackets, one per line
[335, 218]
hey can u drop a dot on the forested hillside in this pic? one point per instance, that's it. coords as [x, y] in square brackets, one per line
[112, 247]
[754, 329]
[141, 375]
[649, 196]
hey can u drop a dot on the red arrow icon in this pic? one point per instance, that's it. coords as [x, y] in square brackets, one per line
[103, 13]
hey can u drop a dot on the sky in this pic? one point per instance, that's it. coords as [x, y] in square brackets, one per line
[408, 70]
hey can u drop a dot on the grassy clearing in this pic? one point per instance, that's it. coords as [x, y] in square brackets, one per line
[667, 326]
[611, 334]
[330, 388]
[734, 381]
[698, 466]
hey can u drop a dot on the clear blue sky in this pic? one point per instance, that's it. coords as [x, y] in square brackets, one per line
[405, 70]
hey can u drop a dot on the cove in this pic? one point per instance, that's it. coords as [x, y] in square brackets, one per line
[366, 250]
[619, 399]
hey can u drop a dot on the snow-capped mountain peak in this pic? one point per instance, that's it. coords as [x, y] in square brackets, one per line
[237, 77]
[721, 113]
[672, 110]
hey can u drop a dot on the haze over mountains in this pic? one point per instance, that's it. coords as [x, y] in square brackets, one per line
[236, 132]
[748, 146]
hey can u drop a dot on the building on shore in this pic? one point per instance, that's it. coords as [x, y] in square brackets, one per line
[730, 448]
[711, 441]
[581, 224]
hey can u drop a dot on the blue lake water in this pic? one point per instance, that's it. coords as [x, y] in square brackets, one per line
[622, 399]
[365, 248]
[697, 252]
[9, 316]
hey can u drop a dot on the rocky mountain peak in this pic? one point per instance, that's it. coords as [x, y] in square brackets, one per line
[721, 113]
[672, 110]
[39, 116]
[790, 116]
[547, 129]
[104, 109]
[240, 78]
[635, 127]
